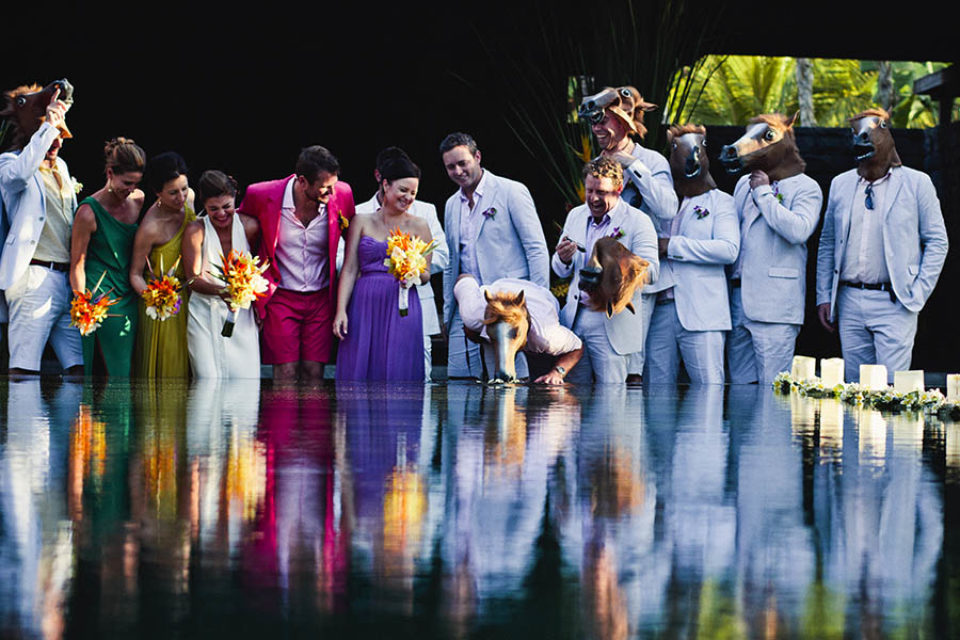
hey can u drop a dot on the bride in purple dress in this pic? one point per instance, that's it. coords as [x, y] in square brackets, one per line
[376, 342]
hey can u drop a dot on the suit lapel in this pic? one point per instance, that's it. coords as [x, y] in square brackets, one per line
[893, 190]
[846, 211]
[487, 200]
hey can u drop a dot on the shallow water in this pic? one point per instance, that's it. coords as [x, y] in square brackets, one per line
[468, 511]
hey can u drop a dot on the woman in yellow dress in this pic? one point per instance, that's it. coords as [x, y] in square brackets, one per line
[162, 344]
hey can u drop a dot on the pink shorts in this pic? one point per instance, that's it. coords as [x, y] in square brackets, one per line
[298, 327]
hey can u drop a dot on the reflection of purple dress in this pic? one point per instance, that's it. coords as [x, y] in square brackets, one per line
[381, 344]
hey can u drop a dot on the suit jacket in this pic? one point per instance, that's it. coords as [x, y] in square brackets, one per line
[773, 242]
[650, 188]
[264, 201]
[510, 243]
[639, 236]
[697, 255]
[914, 236]
[441, 256]
[25, 200]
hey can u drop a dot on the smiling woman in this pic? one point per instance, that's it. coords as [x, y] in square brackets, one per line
[101, 246]
[206, 242]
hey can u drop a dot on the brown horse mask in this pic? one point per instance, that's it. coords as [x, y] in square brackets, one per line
[507, 321]
[688, 160]
[768, 145]
[26, 109]
[873, 144]
[612, 276]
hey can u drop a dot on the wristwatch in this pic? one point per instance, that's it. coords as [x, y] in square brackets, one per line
[561, 371]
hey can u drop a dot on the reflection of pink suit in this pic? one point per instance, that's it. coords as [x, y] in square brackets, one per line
[264, 201]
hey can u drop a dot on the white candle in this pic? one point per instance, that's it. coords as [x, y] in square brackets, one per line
[804, 368]
[873, 377]
[907, 381]
[953, 387]
[831, 372]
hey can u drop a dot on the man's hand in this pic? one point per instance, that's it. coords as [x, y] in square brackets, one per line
[56, 110]
[823, 312]
[624, 158]
[758, 178]
[566, 249]
[664, 243]
[551, 377]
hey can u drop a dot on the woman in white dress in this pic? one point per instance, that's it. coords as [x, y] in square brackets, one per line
[205, 240]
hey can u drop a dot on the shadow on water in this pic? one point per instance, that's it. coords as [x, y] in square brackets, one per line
[466, 511]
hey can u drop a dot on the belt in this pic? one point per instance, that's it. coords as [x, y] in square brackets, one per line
[53, 266]
[880, 286]
[735, 283]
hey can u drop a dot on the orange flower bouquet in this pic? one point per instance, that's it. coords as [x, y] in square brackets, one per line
[88, 311]
[406, 260]
[243, 276]
[162, 295]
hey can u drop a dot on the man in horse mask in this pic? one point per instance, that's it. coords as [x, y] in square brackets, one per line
[40, 199]
[612, 329]
[616, 120]
[778, 206]
[881, 251]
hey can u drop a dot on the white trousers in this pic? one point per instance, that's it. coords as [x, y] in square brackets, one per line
[758, 351]
[874, 330]
[635, 361]
[39, 307]
[668, 342]
[464, 356]
[599, 363]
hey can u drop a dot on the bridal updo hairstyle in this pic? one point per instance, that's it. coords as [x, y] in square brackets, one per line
[123, 155]
[163, 168]
[214, 183]
[393, 163]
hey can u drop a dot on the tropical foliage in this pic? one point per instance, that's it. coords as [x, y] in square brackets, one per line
[732, 89]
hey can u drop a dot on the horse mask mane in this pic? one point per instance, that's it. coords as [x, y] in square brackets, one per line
[508, 323]
[25, 110]
[688, 160]
[612, 276]
[768, 144]
[873, 143]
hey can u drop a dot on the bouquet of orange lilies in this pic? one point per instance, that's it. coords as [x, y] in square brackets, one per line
[406, 260]
[88, 311]
[162, 295]
[243, 276]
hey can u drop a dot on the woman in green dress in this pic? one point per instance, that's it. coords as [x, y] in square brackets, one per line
[100, 249]
[162, 344]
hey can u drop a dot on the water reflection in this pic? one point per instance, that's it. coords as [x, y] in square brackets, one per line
[465, 510]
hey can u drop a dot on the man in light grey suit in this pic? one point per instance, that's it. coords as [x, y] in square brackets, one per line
[493, 232]
[616, 120]
[40, 200]
[881, 251]
[779, 207]
[608, 341]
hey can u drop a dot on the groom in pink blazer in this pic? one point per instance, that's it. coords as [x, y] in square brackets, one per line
[301, 218]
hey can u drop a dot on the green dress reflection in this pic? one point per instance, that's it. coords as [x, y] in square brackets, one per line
[108, 255]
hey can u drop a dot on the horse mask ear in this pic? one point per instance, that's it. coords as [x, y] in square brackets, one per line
[486, 295]
[792, 121]
[519, 299]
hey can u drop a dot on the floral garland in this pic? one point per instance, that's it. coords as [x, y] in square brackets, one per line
[930, 401]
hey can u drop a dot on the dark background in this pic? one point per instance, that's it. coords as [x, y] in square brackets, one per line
[243, 89]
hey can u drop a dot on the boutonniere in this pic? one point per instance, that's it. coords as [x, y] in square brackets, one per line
[617, 233]
[344, 222]
[489, 213]
[77, 185]
[700, 212]
[776, 193]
